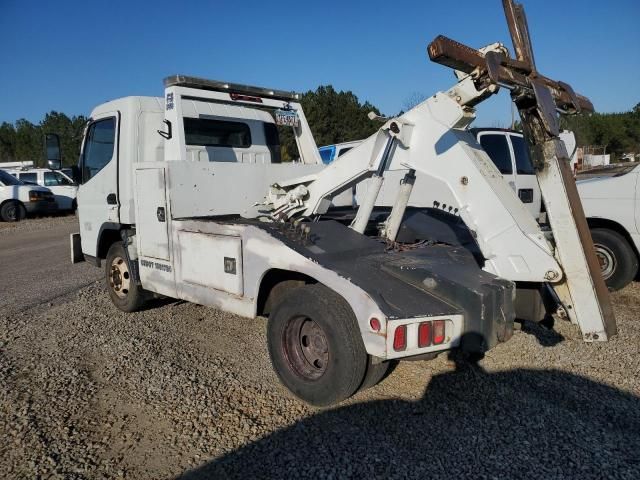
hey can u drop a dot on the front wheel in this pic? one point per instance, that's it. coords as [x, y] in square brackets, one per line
[315, 345]
[12, 212]
[618, 261]
[125, 293]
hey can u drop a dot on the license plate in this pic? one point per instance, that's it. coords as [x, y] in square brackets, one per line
[287, 117]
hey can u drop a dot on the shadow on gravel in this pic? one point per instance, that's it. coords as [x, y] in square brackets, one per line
[470, 423]
[546, 337]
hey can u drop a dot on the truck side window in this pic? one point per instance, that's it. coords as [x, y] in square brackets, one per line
[98, 148]
[523, 162]
[29, 177]
[53, 179]
[498, 150]
[205, 132]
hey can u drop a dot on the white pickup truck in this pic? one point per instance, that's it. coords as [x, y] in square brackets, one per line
[609, 199]
[611, 203]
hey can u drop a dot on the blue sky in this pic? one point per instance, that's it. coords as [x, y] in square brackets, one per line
[72, 55]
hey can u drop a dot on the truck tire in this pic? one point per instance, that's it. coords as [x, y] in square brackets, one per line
[125, 293]
[618, 261]
[315, 345]
[376, 372]
[12, 212]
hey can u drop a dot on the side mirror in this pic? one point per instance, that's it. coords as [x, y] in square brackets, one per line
[52, 147]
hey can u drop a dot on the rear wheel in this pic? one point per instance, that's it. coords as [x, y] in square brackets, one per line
[376, 372]
[618, 261]
[315, 345]
[12, 212]
[125, 293]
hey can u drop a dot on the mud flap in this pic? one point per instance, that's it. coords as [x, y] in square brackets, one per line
[76, 248]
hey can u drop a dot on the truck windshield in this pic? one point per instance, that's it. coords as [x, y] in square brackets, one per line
[7, 179]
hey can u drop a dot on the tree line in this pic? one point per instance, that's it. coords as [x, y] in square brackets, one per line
[24, 141]
[618, 133]
[334, 117]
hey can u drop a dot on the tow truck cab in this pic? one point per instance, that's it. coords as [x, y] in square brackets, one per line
[170, 199]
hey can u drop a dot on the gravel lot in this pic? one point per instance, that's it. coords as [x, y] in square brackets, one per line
[186, 391]
[36, 224]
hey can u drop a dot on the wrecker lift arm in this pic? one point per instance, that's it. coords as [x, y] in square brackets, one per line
[425, 140]
[538, 98]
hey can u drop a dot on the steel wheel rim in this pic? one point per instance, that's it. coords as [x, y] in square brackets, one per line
[606, 259]
[306, 348]
[12, 212]
[119, 277]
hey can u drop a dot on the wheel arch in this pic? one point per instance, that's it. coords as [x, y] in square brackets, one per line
[274, 283]
[9, 200]
[597, 222]
[109, 234]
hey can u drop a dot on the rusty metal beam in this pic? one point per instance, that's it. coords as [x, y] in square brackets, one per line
[500, 70]
[519, 30]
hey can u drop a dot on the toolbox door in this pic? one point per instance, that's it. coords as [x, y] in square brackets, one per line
[151, 213]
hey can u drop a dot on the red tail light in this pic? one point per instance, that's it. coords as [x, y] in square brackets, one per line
[375, 324]
[424, 334]
[438, 332]
[400, 338]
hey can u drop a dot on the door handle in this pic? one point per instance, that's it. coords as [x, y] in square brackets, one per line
[160, 214]
[112, 199]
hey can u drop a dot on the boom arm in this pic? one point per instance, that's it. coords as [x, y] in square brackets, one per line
[435, 144]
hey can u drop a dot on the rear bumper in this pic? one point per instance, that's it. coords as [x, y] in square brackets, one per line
[41, 206]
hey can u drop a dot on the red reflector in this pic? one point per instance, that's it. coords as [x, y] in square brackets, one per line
[400, 338]
[375, 324]
[438, 332]
[246, 98]
[424, 334]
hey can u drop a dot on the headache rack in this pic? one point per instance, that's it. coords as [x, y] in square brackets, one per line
[231, 88]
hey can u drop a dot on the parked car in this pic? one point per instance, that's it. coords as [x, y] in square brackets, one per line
[62, 185]
[17, 199]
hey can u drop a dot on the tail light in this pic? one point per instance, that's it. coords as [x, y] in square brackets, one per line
[400, 338]
[375, 325]
[438, 332]
[424, 334]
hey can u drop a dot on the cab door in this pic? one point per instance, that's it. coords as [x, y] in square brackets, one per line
[98, 202]
[497, 146]
[526, 181]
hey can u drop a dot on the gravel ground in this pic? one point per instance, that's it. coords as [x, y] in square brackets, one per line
[36, 224]
[186, 391]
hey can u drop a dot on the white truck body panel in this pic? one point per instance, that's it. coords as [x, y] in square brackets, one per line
[613, 198]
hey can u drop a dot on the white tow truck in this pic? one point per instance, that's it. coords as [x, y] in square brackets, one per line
[184, 196]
